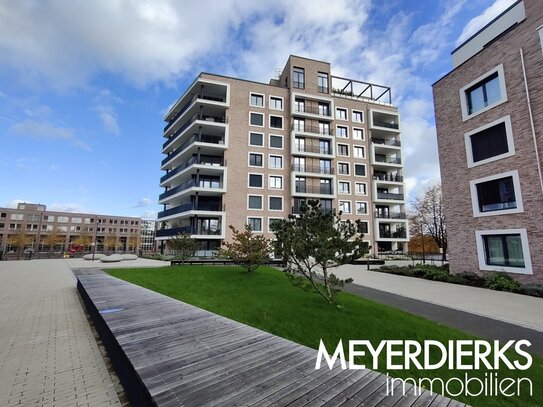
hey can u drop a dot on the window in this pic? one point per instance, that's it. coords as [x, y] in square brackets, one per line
[358, 116]
[343, 168]
[299, 124]
[483, 93]
[361, 209]
[256, 139]
[276, 141]
[255, 181]
[360, 188]
[276, 203]
[325, 186]
[324, 128]
[299, 105]
[344, 187]
[62, 219]
[276, 122]
[276, 103]
[256, 119]
[325, 166]
[358, 134]
[490, 142]
[504, 250]
[322, 82]
[341, 131]
[324, 147]
[255, 224]
[32, 217]
[362, 227]
[255, 160]
[298, 78]
[275, 182]
[324, 109]
[345, 206]
[341, 113]
[359, 152]
[17, 216]
[343, 149]
[360, 170]
[496, 195]
[275, 161]
[76, 220]
[255, 201]
[257, 100]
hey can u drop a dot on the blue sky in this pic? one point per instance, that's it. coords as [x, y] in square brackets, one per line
[84, 85]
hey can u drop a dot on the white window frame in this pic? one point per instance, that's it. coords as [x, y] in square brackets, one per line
[503, 93]
[256, 145]
[509, 136]
[263, 119]
[258, 94]
[282, 141]
[361, 113]
[282, 122]
[249, 160]
[338, 108]
[261, 223]
[527, 269]
[343, 127]
[271, 218]
[365, 170]
[356, 189]
[349, 166]
[276, 176]
[261, 200]
[274, 108]
[363, 133]
[518, 194]
[282, 161]
[350, 206]
[282, 203]
[339, 189]
[337, 150]
[355, 146]
[356, 209]
[249, 180]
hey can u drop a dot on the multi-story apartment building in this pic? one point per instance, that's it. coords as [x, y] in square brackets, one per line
[243, 152]
[489, 119]
[36, 221]
[147, 236]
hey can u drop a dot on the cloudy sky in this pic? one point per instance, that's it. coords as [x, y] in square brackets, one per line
[84, 84]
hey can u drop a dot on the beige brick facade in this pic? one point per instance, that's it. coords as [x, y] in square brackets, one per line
[507, 50]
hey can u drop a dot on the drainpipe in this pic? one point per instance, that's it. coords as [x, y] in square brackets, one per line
[531, 120]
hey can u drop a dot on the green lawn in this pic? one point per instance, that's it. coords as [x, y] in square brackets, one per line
[265, 299]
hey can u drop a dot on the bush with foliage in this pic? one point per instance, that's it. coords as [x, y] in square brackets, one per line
[182, 246]
[247, 249]
[501, 282]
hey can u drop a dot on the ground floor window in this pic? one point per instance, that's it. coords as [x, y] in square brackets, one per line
[504, 250]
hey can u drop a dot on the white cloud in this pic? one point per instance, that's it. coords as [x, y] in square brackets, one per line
[143, 202]
[476, 23]
[149, 215]
[14, 202]
[66, 207]
[46, 131]
[108, 116]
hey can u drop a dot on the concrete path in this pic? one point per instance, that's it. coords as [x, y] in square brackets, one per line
[48, 353]
[507, 307]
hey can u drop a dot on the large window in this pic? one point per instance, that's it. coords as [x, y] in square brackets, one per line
[345, 206]
[257, 100]
[341, 113]
[255, 180]
[255, 224]
[298, 78]
[275, 182]
[498, 194]
[276, 141]
[257, 119]
[255, 201]
[358, 116]
[483, 93]
[322, 82]
[275, 161]
[344, 187]
[360, 170]
[256, 139]
[276, 103]
[341, 131]
[255, 160]
[343, 149]
[490, 142]
[504, 250]
[276, 122]
[276, 203]
[343, 168]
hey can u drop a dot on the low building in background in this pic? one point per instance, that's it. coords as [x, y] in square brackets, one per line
[489, 119]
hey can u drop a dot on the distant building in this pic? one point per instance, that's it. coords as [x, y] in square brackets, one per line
[147, 236]
[242, 152]
[36, 221]
[489, 118]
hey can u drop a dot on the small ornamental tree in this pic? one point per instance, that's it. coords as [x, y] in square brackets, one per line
[313, 243]
[182, 246]
[53, 239]
[110, 243]
[19, 240]
[247, 249]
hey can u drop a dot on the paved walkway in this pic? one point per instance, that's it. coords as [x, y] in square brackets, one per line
[48, 353]
[515, 309]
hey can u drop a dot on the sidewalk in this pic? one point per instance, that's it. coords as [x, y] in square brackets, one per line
[511, 308]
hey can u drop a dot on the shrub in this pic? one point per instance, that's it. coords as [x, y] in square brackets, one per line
[533, 289]
[502, 282]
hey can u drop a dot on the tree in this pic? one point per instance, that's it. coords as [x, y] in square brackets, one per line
[53, 239]
[19, 240]
[110, 243]
[315, 242]
[84, 240]
[247, 249]
[183, 246]
[429, 217]
[133, 243]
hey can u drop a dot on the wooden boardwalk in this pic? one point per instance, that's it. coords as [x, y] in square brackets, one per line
[169, 353]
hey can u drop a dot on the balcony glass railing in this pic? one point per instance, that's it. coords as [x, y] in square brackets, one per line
[310, 189]
[313, 110]
[190, 184]
[388, 177]
[326, 131]
[207, 118]
[315, 169]
[312, 149]
[216, 161]
[388, 160]
[389, 125]
[391, 142]
[187, 105]
[191, 206]
[388, 195]
[203, 138]
[390, 215]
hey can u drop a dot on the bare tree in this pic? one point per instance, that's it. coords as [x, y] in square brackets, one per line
[428, 215]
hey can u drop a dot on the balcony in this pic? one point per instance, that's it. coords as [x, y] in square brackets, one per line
[188, 230]
[216, 161]
[313, 149]
[388, 178]
[316, 190]
[314, 169]
[319, 111]
[203, 138]
[387, 160]
[390, 215]
[385, 234]
[384, 120]
[188, 123]
[187, 185]
[388, 195]
[382, 141]
[191, 206]
[325, 131]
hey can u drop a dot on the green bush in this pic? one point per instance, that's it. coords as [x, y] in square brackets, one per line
[471, 279]
[533, 289]
[501, 282]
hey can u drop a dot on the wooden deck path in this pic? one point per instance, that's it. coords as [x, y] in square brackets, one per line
[169, 353]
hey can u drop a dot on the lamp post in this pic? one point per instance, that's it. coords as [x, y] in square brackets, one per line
[93, 245]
